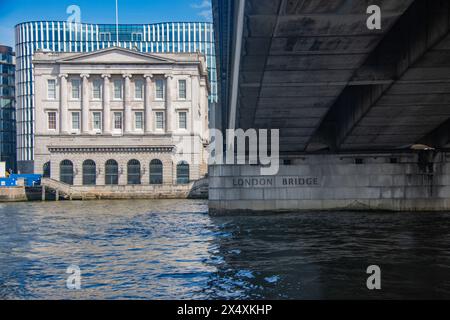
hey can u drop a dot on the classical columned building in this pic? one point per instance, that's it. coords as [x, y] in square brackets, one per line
[61, 36]
[121, 117]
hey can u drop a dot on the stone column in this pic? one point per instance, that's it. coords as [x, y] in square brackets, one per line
[85, 104]
[169, 111]
[63, 108]
[195, 105]
[148, 103]
[127, 103]
[204, 108]
[106, 104]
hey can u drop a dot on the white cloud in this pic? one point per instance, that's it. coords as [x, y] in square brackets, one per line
[204, 9]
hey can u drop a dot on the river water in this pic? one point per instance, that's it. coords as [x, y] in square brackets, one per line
[171, 249]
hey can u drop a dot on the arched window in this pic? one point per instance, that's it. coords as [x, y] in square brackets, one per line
[66, 172]
[111, 172]
[46, 170]
[156, 172]
[183, 173]
[89, 173]
[134, 172]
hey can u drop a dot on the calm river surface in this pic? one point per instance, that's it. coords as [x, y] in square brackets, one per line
[174, 250]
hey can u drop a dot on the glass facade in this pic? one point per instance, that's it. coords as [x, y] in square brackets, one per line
[172, 37]
[7, 108]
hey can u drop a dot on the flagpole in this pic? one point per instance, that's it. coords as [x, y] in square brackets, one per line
[117, 23]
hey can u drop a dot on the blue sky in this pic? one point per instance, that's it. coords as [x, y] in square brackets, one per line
[95, 11]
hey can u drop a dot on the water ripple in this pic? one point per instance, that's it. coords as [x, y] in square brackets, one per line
[171, 249]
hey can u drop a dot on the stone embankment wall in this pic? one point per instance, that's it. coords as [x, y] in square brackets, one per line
[13, 194]
[398, 182]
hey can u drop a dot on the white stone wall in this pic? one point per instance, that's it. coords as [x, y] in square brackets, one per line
[129, 67]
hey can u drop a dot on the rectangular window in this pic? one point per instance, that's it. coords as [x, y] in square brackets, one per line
[159, 89]
[182, 89]
[97, 120]
[139, 120]
[52, 120]
[75, 121]
[159, 120]
[75, 89]
[117, 120]
[118, 89]
[51, 89]
[182, 117]
[139, 90]
[136, 36]
[97, 89]
[105, 36]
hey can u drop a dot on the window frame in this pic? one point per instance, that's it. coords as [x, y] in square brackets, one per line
[114, 121]
[72, 121]
[180, 97]
[163, 82]
[78, 89]
[141, 120]
[49, 97]
[162, 120]
[100, 121]
[100, 91]
[115, 82]
[139, 84]
[48, 120]
[106, 35]
[185, 120]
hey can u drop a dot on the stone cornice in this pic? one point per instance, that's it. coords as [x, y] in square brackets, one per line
[93, 149]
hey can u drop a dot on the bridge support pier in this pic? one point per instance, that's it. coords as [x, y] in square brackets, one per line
[395, 182]
[43, 193]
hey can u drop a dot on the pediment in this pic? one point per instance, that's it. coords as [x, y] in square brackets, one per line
[115, 56]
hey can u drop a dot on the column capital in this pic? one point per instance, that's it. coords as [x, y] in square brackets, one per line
[168, 76]
[64, 75]
[105, 75]
[127, 75]
[148, 76]
[84, 75]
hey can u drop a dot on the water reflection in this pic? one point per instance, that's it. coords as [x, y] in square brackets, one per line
[173, 250]
[325, 256]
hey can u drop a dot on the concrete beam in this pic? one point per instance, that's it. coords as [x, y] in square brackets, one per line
[404, 68]
[298, 57]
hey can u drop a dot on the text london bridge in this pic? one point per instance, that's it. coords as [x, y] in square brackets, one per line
[273, 181]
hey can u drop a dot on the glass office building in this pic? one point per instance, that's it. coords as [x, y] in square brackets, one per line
[60, 36]
[7, 114]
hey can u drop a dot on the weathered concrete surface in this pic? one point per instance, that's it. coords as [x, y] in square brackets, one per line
[13, 194]
[298, 57]
[312, 69]
[334, 182]
[413, 62]
[191, 190]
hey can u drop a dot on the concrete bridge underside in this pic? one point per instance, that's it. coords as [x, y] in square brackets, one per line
[313, 69]
[349, 102]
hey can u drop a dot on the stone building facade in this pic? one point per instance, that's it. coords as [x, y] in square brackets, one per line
[118, 117]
